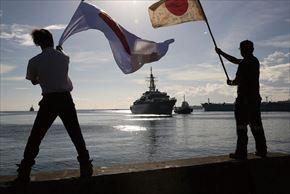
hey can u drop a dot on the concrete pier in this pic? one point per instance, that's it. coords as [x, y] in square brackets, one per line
[217, 174]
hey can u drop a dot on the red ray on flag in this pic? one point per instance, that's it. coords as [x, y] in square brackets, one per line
[129, 51]
[118, 31]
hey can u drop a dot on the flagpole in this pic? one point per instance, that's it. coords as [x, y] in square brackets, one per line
[205, 18]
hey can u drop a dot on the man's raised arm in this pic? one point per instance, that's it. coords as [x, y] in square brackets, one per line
[227, 56]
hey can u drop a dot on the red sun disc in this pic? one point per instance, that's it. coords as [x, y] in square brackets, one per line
[177, 7]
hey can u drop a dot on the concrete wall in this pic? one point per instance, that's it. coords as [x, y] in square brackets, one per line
[198, 175]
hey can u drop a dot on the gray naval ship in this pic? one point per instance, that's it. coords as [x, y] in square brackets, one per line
[153, 101]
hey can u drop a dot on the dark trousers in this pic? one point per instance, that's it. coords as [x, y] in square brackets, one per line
[51, 106]
[247, 112]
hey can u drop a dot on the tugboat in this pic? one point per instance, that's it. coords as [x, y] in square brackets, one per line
[153, 101]
[31, 109]
[184, 109]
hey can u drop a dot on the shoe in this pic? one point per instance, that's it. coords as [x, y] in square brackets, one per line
[21, 182]
[261, 154]
[238, 156]
[86, 169]
[23, 176]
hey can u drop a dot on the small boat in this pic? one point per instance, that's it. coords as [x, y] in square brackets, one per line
[184, 109]
[31, 109]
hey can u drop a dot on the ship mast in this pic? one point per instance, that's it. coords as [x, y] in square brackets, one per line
[152, 84]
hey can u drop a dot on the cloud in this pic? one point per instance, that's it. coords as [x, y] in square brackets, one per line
[21, 88]
[13, 78]
[55, 27]
[202, 90]
[196, 75]
[21, 33]
[6, 68]
[274, 93]
[87, 60]
[275, 76]
[276, 73]
[276, 68]
[193, 72]
[282, 41]
[91, 57]
[253, 17]
[275, 58]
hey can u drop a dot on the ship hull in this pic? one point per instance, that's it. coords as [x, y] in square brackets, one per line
[218, 107]
[265, 107]
[183, 110]
[153, 108]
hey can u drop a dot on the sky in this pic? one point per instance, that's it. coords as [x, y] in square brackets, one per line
[191, 67]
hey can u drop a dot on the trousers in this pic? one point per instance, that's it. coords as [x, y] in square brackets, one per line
[247, 112]
[51, 106]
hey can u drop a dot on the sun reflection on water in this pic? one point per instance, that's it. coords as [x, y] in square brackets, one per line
[130, 128]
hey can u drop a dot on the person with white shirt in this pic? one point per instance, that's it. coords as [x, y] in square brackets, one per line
[49, 69]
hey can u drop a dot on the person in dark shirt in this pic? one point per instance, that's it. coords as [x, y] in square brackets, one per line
[248, 101]
[49, 69]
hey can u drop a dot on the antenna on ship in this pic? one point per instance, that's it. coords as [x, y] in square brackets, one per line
[152, 84]
[184, 97]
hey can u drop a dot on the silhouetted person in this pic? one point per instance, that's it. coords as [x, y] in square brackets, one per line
[49, 69]
[248, 101]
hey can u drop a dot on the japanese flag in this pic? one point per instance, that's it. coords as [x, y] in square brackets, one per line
[130, 52]
[171, 12]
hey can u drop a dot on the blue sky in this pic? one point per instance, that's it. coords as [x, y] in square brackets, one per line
[190, 67]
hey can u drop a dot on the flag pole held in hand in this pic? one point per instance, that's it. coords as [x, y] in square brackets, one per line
[172, 12]
[205, 18]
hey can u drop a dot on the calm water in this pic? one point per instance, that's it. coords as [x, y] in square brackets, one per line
[118, 137]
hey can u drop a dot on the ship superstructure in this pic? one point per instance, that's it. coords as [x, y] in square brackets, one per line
[153, 101]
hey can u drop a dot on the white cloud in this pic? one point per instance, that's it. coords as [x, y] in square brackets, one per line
[21, 33]
[6, 68]
[197, 75]
[21, 88]
[91, 57]
[252, 17]
[276, 73]
[274, 93]
[205, 90]
[275, 58]
[282, 41]
[275, 76]
[87, 60]
[55, 27]
[13, 78]
[276, 68]
[194, 72]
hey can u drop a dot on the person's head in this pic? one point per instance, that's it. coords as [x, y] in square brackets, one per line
[42, 38]
[246, 48]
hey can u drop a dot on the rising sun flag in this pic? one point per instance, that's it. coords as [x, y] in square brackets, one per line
[130, 52]
[171, 12]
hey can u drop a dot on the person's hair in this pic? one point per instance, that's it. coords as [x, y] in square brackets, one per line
[247, 45]
[42, 37]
